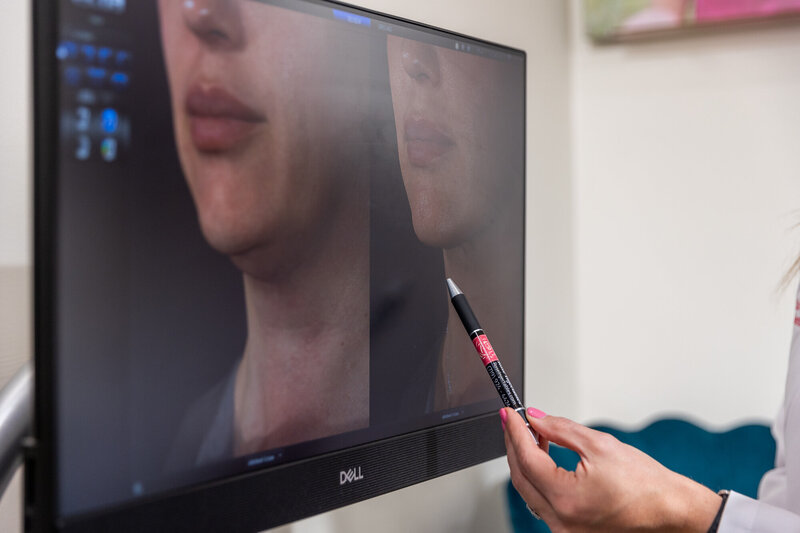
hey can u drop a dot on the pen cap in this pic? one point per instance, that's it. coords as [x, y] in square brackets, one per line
[465, 313]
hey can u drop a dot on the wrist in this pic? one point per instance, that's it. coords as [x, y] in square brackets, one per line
[718, 518]
[691, 506]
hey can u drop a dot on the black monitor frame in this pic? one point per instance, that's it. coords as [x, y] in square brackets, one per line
[245, 502]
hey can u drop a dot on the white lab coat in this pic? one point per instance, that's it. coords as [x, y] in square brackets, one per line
[777, 509]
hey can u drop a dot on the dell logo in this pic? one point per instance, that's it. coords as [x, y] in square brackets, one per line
[350, 475]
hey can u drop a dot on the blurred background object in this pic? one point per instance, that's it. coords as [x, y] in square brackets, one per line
[609, 20]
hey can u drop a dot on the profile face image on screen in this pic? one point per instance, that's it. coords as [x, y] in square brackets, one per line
[268, 107]
[458, 118]
[249, 289]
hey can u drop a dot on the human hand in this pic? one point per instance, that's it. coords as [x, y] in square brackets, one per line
[615, 487]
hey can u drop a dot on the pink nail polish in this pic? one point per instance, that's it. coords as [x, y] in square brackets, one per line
[503, 417]
[535, 413]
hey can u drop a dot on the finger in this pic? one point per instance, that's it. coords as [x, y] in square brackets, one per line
[526, 489]
[531, 413]
[526, 443]
[544, 445]
[565, 432]
[537, 466]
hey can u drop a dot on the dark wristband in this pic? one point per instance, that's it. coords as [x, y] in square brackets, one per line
[715, 523]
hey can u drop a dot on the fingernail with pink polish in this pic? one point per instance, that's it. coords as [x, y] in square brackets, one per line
[503, 417]
[535, 413]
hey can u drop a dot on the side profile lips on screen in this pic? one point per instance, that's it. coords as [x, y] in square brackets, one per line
[219, 121]
[425, 141]
[248, 244]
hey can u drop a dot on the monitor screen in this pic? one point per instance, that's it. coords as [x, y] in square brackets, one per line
[246, 213]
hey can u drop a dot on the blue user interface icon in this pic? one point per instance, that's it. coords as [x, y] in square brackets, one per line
[83, 117]
[83, 148]
[119, 80]
[109, 120]
[67, 50]
[89, 52]
[104, 54]
[108, 149]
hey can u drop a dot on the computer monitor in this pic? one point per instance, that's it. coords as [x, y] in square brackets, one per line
[245, 213]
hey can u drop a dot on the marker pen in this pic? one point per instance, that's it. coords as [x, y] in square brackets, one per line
[485, 350]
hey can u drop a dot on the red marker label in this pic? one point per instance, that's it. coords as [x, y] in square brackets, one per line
[485, 349]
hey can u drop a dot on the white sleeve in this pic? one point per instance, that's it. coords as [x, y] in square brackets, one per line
[781, 485]
[746, 515]
[772, 489]
[778, 507]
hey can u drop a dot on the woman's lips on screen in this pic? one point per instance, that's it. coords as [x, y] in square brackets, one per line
[425, 142]
[218, 120]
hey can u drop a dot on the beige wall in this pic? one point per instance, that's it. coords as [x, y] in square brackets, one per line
[15, 93]
[15, 348]
[15, 129]
[687, 184]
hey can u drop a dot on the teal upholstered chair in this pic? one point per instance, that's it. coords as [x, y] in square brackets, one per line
[734, 459]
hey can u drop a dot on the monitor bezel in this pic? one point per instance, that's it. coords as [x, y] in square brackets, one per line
[246, 501]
